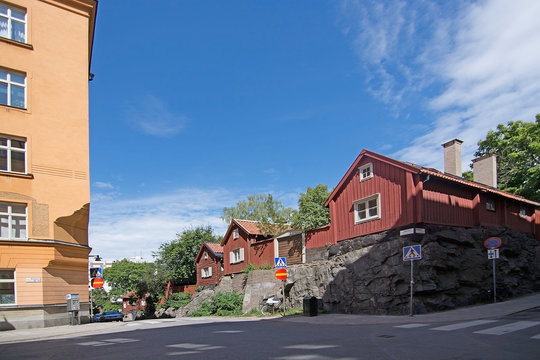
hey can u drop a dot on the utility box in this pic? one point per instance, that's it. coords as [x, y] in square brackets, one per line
[73, 302]
[310, 306]
[73, 307]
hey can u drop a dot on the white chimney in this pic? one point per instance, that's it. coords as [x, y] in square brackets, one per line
[452, 157]
[485, 170]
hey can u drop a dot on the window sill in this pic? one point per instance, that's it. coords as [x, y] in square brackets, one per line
[17, 175]
[17, 43]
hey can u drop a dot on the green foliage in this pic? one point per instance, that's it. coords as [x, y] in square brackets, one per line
[221, 304]
[124, 276]
[517, 146]
[177, 300]
[311, 210]
[468, 175]
[101, 301]
[250, 267]
[272, 216]
[176, 258]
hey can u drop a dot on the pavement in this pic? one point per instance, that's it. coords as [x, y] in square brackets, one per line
[499, 309]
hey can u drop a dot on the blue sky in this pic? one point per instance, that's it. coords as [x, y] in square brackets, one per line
[197, 104]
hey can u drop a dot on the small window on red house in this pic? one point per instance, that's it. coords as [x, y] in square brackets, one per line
[365, 172]
[490, 205]
[235, 234]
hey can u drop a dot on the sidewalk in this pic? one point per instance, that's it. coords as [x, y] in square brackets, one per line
[469, 313]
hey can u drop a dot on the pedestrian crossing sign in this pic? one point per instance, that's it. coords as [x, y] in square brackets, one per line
[413, 252]
[280, 262]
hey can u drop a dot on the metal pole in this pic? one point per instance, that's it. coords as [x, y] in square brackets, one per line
[494, 284]
[412, 288]
[283, 290]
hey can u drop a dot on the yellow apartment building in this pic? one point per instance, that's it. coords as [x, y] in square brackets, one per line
[45, 53]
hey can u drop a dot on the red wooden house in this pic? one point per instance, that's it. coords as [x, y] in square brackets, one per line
[379, 193]
[245, 244]
[209, 263]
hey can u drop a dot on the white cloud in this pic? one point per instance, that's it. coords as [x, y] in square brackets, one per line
[103, 185]
[481, 58]
[151, 116]
[122, 228]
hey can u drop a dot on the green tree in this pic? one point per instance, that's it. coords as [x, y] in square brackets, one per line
[517, 146]
[272, 215]
[176, 258]
[124, 276]
[311, 210]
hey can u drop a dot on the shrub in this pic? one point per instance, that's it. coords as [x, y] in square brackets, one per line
[251, 267]
[177, 300]
[221, 304]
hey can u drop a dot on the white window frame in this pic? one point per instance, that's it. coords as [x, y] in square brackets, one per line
[235, 234]
[362, 171]
[9, 281]
[490, 204]
[10, 18]
[236, 256]
[8, 148]
[205, 256]
[206, 272]
[522, 213]
[8, 82]
[365, 201]
[10, 215]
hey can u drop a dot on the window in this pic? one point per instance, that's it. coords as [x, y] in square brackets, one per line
[490, 205]
[235, 234]
[523, 213]
[12, 221]
[12, 23]
[12, 89]
[205, 255]
[365, 172]
[12, 154]
[367, 209]
[206, 272]
[236, 256]
[7, 287]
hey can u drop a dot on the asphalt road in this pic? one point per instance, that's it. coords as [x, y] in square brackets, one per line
[515, 336]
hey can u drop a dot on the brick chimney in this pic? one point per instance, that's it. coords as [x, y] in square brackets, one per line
[485, 170]
[452, 157]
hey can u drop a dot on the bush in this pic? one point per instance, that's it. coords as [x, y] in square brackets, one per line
[251, 267]
[177, 300]
[221, 304]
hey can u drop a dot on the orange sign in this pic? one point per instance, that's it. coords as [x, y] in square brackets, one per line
[97, 283]
[281, 274]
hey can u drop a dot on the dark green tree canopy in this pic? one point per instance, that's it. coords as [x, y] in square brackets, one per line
[311, 210]
[274, 218]
[175, 259]
[517, 146]
[124, 276]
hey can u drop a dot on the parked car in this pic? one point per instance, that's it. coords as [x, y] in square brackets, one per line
[109, 316]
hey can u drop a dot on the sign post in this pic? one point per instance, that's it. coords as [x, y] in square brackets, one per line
[411, 253]
[281, 274]
[492, 245]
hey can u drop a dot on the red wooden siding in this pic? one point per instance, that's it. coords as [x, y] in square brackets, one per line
[396, 204]
[448, 204]
[262, 253]
[232, 244]
[213, 262]
[319, 237]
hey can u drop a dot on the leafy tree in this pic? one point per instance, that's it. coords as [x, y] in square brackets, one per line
[101, 301]
[221, 304]
[124, 276]
[517, 146]
[311, 210]
[176, 258]
[272, 216]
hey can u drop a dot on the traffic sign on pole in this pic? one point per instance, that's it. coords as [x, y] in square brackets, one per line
[280, 262]
[493, 243]
[493, 253]
[413, 252]
[97, 283]
[281, 274]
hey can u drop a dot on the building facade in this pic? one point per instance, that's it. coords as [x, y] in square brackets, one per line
[209, 264]
[45, 53]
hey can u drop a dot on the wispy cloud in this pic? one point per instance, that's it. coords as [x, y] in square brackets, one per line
[151, 116]
[479, 60]
[122, 228]
[103, 185]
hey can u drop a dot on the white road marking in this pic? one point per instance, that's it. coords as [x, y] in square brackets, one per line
[508, 328]
[410, 326]
[310, 346]
[463, 325]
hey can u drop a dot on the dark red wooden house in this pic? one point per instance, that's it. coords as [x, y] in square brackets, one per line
[379, 193]
[209, 264]
[245, 244]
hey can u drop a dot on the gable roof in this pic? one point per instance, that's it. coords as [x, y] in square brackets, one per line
[215, 248]
[420, 169]
[353, 168]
